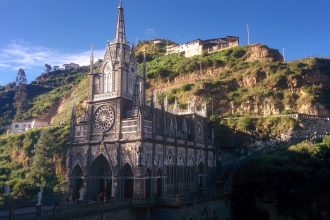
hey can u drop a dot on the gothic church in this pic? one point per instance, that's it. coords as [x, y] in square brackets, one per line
[124, 148]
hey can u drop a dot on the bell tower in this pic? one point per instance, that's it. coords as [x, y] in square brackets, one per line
[116, 71]
[112, 87]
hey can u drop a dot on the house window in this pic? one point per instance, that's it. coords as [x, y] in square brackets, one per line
[24, 125]
[29, 125]
[16, 126]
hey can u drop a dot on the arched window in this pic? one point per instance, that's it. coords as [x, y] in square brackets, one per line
[170, 174]
[131, 82]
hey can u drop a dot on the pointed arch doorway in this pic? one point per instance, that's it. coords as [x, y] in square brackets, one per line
[159, 183]
[100, 185]
[147, 185]
[77, 181]
[127, 177]
[201, 177]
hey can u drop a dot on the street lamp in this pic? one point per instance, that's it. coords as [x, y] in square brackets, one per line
[39, 205]
[8, 202]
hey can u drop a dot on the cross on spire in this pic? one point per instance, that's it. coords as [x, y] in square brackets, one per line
[120, 35]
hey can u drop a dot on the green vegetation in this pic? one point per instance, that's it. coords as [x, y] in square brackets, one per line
[239, 83]
[32, 159]
[169, 66]
[262, 127]
[152, 50]
[42, 96]
[291, 184]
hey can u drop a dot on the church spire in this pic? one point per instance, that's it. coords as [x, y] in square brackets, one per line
[120, 35]
[92, 61]
[91, 76]
[144, 79]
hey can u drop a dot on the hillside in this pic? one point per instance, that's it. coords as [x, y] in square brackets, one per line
[247, 80]
[33, 158]
[49, 97]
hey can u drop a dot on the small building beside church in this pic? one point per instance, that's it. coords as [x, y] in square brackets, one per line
[71, 66]
[18, 127]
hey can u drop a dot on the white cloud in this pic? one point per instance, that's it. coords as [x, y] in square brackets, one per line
[20, 54]
[150, 31]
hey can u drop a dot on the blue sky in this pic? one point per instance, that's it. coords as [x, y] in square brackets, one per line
[35, 32]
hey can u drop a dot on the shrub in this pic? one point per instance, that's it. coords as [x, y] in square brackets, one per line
[246, 124]
[187, 87]
[326, 140]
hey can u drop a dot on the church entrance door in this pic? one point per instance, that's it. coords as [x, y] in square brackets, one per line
[159, 183]
[128, 181]
[201, 176]
[100, 184]
[147, 185]
[77, 181]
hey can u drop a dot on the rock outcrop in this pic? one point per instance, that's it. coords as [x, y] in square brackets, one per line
[262, 53]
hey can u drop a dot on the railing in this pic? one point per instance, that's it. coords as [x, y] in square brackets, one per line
[172, 202]
[142, 203]
[69, 211]
[298, 116]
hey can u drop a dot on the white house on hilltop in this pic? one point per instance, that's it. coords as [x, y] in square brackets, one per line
[71, 66]
[197, 47]
[18, 127]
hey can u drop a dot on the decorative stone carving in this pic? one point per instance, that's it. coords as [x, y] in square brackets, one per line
[113, 154]
[68, 161]
[190, 161]
[169, 158]
[199, 130]
[140, 157]
[180, 159]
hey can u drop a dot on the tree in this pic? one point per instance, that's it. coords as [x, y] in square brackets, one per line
[48, 68]
[21, 77]
[20, 99]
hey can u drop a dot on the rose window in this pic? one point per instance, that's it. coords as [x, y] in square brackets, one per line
[104, 118]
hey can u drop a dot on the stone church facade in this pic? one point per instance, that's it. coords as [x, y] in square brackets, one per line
[124, 148]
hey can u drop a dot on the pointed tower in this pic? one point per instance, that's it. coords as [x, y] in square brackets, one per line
[120, 34]
[118, 66]
[143, 95]
[155, 99]
[73, 119]
[166, 103]
[91, 76]
[175, 107]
